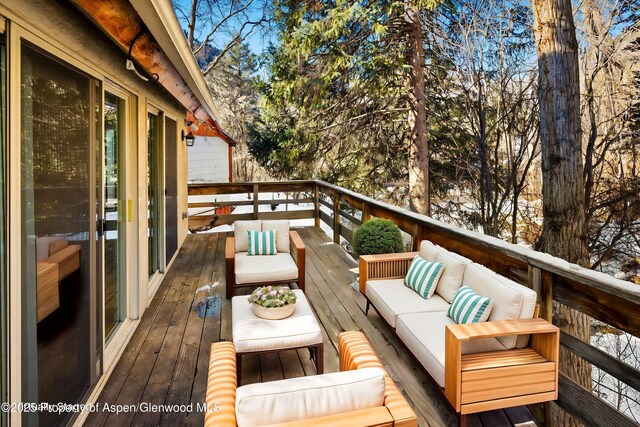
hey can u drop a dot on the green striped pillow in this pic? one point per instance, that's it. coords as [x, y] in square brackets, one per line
[262, 242]
[469, 307]
[423, 276]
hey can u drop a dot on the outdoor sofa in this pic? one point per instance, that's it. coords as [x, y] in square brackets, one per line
[509, 360]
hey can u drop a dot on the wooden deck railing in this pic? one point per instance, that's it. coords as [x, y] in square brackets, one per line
[600, 296]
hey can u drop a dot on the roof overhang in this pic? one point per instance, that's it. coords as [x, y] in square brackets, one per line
[159, 47]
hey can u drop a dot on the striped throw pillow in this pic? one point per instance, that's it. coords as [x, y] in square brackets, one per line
[469, 307]
[262, 242]
[423, 276]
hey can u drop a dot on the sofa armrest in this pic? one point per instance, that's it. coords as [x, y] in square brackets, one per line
[221, 386]
[230, 261]
[365, 417]
[298, 253]
[356, 353]
[501, 328]
[544, 350]
[386, 266]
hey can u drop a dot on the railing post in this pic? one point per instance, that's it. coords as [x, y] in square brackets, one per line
[316, 204]
[366, 212]
[255, 201]
[336, 218]
[542, 282]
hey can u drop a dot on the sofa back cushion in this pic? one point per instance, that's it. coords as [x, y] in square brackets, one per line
[507, 297]
[240, 233]
[282, 232]
[429, 251]
[299, 399]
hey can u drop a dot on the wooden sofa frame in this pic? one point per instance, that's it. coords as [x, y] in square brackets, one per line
[297, 250]
[483, 381]
[355, 353]
[63, 260]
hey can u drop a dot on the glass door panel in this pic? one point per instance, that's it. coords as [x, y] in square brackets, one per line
[3, 241]
[56, 174]
[171, 187]
[112, 205]
[153, 213]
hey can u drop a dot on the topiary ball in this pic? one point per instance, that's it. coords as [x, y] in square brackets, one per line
[377, 236]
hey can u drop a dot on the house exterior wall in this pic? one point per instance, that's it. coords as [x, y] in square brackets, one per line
[61, 31]
[208, 160]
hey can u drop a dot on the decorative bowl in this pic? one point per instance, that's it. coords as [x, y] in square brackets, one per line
[273, 313]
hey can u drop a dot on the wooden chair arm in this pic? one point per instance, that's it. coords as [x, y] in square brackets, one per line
[221, 386]
[378, 416]
[298, 253]
[356, 353]
[385, 266]
[501, 328]
[230, 262]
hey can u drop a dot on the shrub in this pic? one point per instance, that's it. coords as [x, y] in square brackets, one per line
[377, 236]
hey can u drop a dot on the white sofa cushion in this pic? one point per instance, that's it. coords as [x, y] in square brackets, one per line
[392, 297]
[251, 333]
[42, 246]
[282, 232]
[264, 268]
[451, 280]
[529, 301]
[240, 233]
[423, 276]
[507, 300]
[299, 399]
[423, 334]
[429, 251]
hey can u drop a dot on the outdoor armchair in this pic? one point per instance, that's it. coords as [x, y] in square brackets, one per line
[286, 266]
[357, 362]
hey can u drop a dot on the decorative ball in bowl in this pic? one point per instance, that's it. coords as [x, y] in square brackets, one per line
[273, 302]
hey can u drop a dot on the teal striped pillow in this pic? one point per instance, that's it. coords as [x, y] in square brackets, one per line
[262, 242]
[423, 276]
[469, 307]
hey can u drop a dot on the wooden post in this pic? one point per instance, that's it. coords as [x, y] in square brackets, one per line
[256, 215]
[316, 204]
[336, 218]
[366, 212]
[415, 237]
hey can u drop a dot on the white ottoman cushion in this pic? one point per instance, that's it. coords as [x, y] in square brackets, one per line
[423, 334]
[299, 399]
[392, 297]
[265, 268]
[251, 333]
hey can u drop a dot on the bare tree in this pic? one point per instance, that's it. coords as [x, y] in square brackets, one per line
[215, 27]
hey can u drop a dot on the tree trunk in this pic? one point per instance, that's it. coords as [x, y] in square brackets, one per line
[192, 24]
[563, 229]
[419, 194]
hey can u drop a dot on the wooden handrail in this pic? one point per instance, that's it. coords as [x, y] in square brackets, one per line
[596, 294]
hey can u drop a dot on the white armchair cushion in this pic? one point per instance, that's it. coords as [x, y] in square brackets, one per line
[299, 399]
[282, 232]
[265, 268]
[240, 233]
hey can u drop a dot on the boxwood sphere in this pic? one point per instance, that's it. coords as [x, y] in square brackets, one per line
[377, 236]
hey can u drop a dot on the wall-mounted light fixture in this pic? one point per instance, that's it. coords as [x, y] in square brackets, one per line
[189, 138]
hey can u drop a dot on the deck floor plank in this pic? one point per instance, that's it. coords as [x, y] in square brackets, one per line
[167, 358]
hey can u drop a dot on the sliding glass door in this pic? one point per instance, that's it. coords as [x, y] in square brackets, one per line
[59, 121]
[153, 192]
[111, 206]
[3, 240]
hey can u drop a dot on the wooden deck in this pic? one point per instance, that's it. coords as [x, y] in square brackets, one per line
[166, 361]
